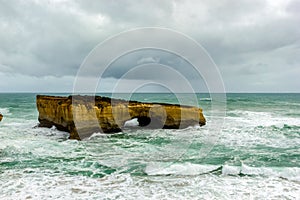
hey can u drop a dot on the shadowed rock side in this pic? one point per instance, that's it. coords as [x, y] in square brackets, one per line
[84, 115]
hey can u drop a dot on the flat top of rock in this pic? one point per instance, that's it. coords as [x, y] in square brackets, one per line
[90, 98]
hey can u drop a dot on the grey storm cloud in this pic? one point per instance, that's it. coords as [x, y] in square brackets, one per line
[128, 11]
[153, 57]
[255, 43]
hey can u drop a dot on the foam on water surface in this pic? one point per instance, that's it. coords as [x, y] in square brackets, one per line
[5, 111]
[255, 156]
[125, 186]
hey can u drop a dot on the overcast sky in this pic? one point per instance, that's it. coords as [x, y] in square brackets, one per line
[254, 43]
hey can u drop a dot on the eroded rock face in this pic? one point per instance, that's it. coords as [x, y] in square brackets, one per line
[83, 115]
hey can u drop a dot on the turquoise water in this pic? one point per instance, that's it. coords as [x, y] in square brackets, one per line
[256, 154]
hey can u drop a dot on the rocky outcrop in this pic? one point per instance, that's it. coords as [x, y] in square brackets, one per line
[83, 115]
[1, 117]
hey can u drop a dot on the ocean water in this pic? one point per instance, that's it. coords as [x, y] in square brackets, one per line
[256, 155]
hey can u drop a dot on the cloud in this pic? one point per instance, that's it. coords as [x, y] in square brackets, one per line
[45, 39]
[130, 12]
[148, 60]
[25, 83]
[253, 42]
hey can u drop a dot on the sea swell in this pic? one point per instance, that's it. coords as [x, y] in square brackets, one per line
[190, 169]
[254, 156]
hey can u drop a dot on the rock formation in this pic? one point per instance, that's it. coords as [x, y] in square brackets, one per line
[1, 117]
[83, 115]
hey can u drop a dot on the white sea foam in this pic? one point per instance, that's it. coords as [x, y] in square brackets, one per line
[290, 173]
[254, 118]
[35, 163]
[32, 184]
[132, 123]
[96, 135]
[5, 111]
[178, 169]
[205, 99]
[250, 128]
